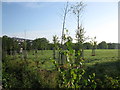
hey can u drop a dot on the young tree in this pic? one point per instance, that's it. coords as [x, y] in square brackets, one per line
[55, 42]
[68, 44]
[80, 38]
[77, 11]
[66, 10]
[94, 46]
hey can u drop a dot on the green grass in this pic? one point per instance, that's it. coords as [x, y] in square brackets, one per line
[103, 56]
[104, 63]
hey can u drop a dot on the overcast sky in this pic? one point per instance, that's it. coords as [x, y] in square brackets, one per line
[44, 19]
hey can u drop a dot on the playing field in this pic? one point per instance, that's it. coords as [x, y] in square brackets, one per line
[105, 61]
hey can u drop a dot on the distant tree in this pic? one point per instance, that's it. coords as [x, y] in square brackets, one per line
[111, 45]
[44, 43]
[119, 46]
[87, 45]
[50, 46]
[28, 45]
[7, 44]
[15, 48]
[102, 45]
[40, 44]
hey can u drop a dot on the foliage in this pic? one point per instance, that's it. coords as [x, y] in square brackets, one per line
[104, 63]
[102, 45]
[113, 45]
[9, 45]
[40, 43]
[111, 82]
[70, 73]
[80, 38]
[29, 45]
[22, 74]
[73, 75]
[74, 71]
[87, 45]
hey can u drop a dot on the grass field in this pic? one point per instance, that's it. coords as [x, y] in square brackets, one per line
[104, 63]
[102, 56]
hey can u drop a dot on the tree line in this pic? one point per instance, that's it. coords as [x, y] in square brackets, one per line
[10, 44]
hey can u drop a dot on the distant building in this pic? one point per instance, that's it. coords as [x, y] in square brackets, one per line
[21, 40]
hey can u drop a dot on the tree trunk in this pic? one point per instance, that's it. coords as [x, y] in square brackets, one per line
[93, 52]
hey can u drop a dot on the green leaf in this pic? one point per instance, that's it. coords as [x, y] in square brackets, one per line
[94, 74]
[74, 76]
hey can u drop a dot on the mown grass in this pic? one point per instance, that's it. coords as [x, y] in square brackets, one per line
[102, 56]
[104, 63]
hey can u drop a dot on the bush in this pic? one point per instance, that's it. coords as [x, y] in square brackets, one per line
[25, 74]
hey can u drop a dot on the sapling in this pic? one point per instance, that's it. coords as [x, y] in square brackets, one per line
[55, 42]
[66, 10]
[77, 9]
[80, 38]
[94, 45]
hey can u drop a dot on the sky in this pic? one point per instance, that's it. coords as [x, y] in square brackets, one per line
[33, 20]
